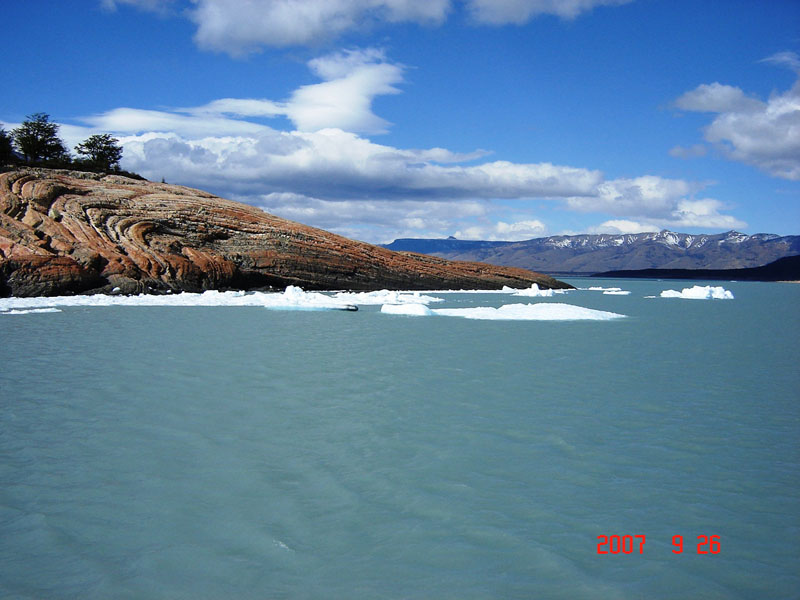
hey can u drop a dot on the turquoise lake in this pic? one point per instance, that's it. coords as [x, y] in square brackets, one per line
[163, 452]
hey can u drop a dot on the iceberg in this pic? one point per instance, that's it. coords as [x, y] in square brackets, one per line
[545, 311]
[408, 309]
[293, 298]
[28, 311]
[533, 292]
[385, 297]
[700, 292]
[605, 290]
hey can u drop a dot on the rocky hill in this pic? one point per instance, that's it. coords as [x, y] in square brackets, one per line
[71, 232]
[587, 254]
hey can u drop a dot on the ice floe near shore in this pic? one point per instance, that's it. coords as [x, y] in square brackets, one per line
[293, 298]
[408, 309]
[612, 291]
[385, 297]
[533, 292]
[28, 311]
[508, 312]
[545, 311]
[700, 292]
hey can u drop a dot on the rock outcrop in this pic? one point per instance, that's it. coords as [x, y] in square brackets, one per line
[67, 232]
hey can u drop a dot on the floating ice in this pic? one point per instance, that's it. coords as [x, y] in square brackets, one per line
[385, 297]
[533, 292]
[17, 311]
[544, 311]
[408, 309]
[293, 298]
[602, 289]
[700, 292]
[617, 292]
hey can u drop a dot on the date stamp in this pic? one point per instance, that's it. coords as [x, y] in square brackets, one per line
[629, 544]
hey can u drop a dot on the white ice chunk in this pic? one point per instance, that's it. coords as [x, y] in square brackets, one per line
[616, 292]
[700, 292]
[19, 311]
[385, 297]
[533, 292]
[408, 309]
[292, 298]
[544, 311]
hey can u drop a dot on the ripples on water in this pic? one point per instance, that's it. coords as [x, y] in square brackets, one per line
[237, 452]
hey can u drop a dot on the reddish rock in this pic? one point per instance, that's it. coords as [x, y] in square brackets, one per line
[72, 232]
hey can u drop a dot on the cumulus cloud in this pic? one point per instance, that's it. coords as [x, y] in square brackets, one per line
[256, 23]
[327, 173]
[336, 164]
[253, 24]
[715, 97]
[648, 195]
[623, 226]
[654, 203]
[502, 231]
[502, 12]
[765, 134]
[702, 214]
[351, 81]
[378, 221]
[325, 156]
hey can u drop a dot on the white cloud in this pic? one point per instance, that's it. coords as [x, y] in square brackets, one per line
[351, 81]
[502, 231]
[135, 120]
[344, 99]
[702, 214]
[337, 165]
[324, 175]
[692, 151]
[715, 97]
[654, 202]
[218, 145]
[787, 59]
[248, 25]
[159, 6]
[648, 195]
[687, 214]
[501, 12]
[377, 221]
[745, 129]
[255, 23]
[623, 226]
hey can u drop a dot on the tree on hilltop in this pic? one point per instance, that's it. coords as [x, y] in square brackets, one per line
[101, 151]
[37, 140]
[6, 148]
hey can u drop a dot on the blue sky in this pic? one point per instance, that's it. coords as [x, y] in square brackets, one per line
[483, 119]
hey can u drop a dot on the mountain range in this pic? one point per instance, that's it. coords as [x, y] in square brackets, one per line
[588, 254]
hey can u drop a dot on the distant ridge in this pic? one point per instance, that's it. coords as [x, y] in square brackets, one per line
[783, 269]
[588, 254]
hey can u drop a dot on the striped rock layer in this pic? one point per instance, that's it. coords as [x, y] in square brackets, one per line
[64, 232]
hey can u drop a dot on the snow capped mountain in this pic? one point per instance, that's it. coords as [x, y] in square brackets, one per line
[665, 237]
[595, 253]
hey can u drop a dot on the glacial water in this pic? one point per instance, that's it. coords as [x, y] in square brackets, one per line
[203, 452]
